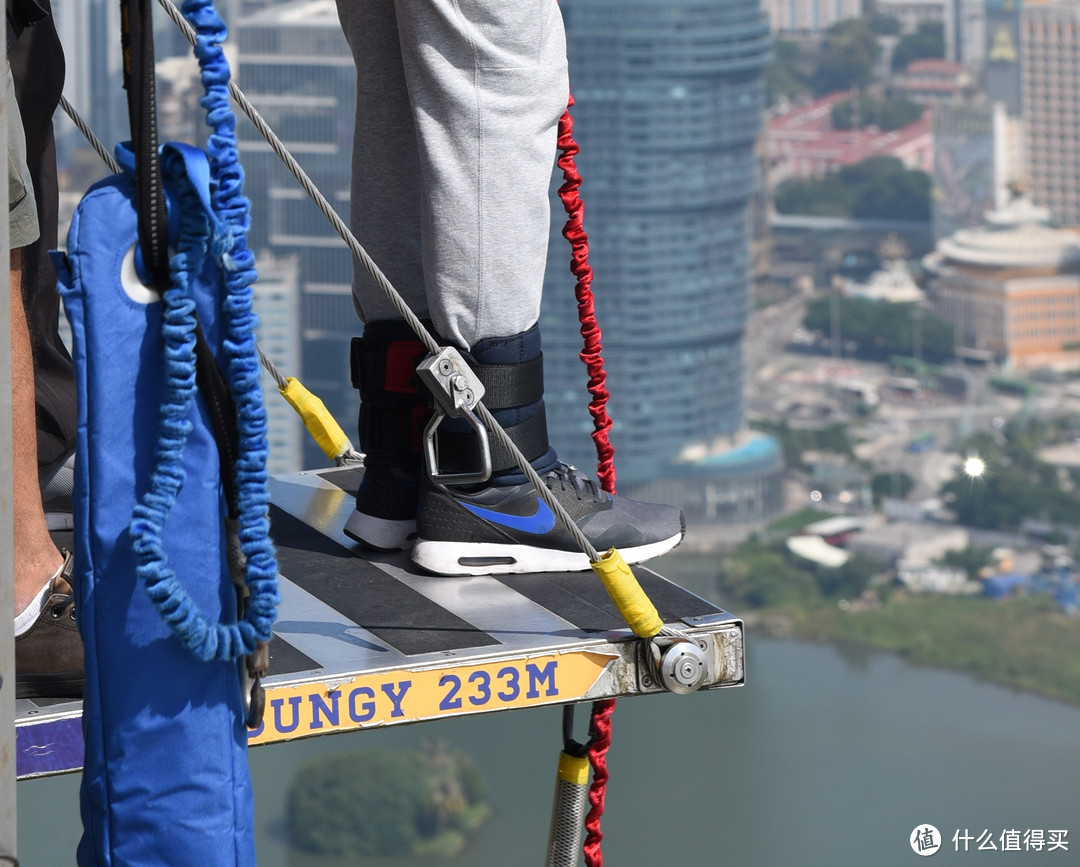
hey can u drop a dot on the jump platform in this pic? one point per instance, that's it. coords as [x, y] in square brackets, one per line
[366, 639]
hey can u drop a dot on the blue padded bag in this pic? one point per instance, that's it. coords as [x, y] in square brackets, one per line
[165, 777]
[165, 774]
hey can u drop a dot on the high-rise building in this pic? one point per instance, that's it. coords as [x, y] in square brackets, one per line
[294, 65]
[965, 32]
[912, 14]
[1001, 66]
[90, 33]
[809, 16]
[669, 99]
[276, 301]
[1050, 94]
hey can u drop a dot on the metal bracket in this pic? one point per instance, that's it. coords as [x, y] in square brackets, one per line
[676, 665]
[457, 390]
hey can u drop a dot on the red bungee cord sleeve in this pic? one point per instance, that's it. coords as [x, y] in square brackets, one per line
[599, 741]
[574, 232]
[591, 355]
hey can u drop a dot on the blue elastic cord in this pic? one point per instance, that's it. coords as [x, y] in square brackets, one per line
[228, 245]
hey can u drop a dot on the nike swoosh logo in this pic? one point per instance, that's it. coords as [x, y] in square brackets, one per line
[538, 524]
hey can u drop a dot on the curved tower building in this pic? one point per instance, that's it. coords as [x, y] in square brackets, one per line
[669, 99]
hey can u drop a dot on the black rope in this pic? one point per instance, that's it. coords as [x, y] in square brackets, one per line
[222, 411]
[137, 42]
[570, 746]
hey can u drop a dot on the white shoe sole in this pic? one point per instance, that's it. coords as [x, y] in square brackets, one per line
[481, 558]
[382, 534]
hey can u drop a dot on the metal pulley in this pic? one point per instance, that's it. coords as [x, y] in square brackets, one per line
[457, 390]
[679, 665]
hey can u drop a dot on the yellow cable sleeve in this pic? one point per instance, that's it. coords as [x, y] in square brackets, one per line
[623, 588]
[573, 769]
[317, 419]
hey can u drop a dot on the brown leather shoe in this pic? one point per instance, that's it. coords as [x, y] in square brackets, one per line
[49, 655]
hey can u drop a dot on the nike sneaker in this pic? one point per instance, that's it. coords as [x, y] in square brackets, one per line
[510, 529]
[385, 514]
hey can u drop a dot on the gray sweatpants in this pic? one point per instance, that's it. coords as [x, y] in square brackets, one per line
[457, 108]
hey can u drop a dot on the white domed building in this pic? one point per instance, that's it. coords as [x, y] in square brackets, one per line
[1011, 288]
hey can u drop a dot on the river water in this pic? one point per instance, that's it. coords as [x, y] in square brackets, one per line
[828, 756]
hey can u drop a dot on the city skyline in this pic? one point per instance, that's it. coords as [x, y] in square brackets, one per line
[639, 247]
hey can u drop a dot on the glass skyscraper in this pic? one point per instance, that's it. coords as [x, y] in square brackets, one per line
[294, 65]
[669, 102]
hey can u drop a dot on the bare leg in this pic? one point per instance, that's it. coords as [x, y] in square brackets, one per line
[36, 557]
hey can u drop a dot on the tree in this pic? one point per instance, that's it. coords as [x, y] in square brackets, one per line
[363, 804]
[385, 804]
[813, 198]
[760, 575]
[881, 24]
[764, 575]
[1002, 498]
[889, 114]
[898, 113]
[895, 484]
[926, 42]
[1016, 484]
[880, 328]
[784, 77]
[846, 581]
[847, 59]
[971, 559]
[877, 187]
[794, 441]
[885, 25]
[903, 195]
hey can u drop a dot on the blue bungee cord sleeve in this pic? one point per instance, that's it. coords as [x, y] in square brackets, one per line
[229, 211]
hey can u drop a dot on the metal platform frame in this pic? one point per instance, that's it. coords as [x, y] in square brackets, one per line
[365, 640]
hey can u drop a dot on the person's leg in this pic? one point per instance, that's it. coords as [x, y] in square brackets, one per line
[36, 557]
[487, 83]
[385, 218]
[37, 67]
[456, 118]
[385, 189]
[48, 651]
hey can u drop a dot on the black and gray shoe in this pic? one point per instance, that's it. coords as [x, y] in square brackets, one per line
[385, 514]
[500, 530]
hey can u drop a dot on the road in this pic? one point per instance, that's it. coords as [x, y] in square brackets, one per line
[801, 388]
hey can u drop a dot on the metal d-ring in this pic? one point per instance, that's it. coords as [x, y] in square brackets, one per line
[432, 457]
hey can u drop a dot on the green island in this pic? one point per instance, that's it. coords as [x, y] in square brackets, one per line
[381, 804]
